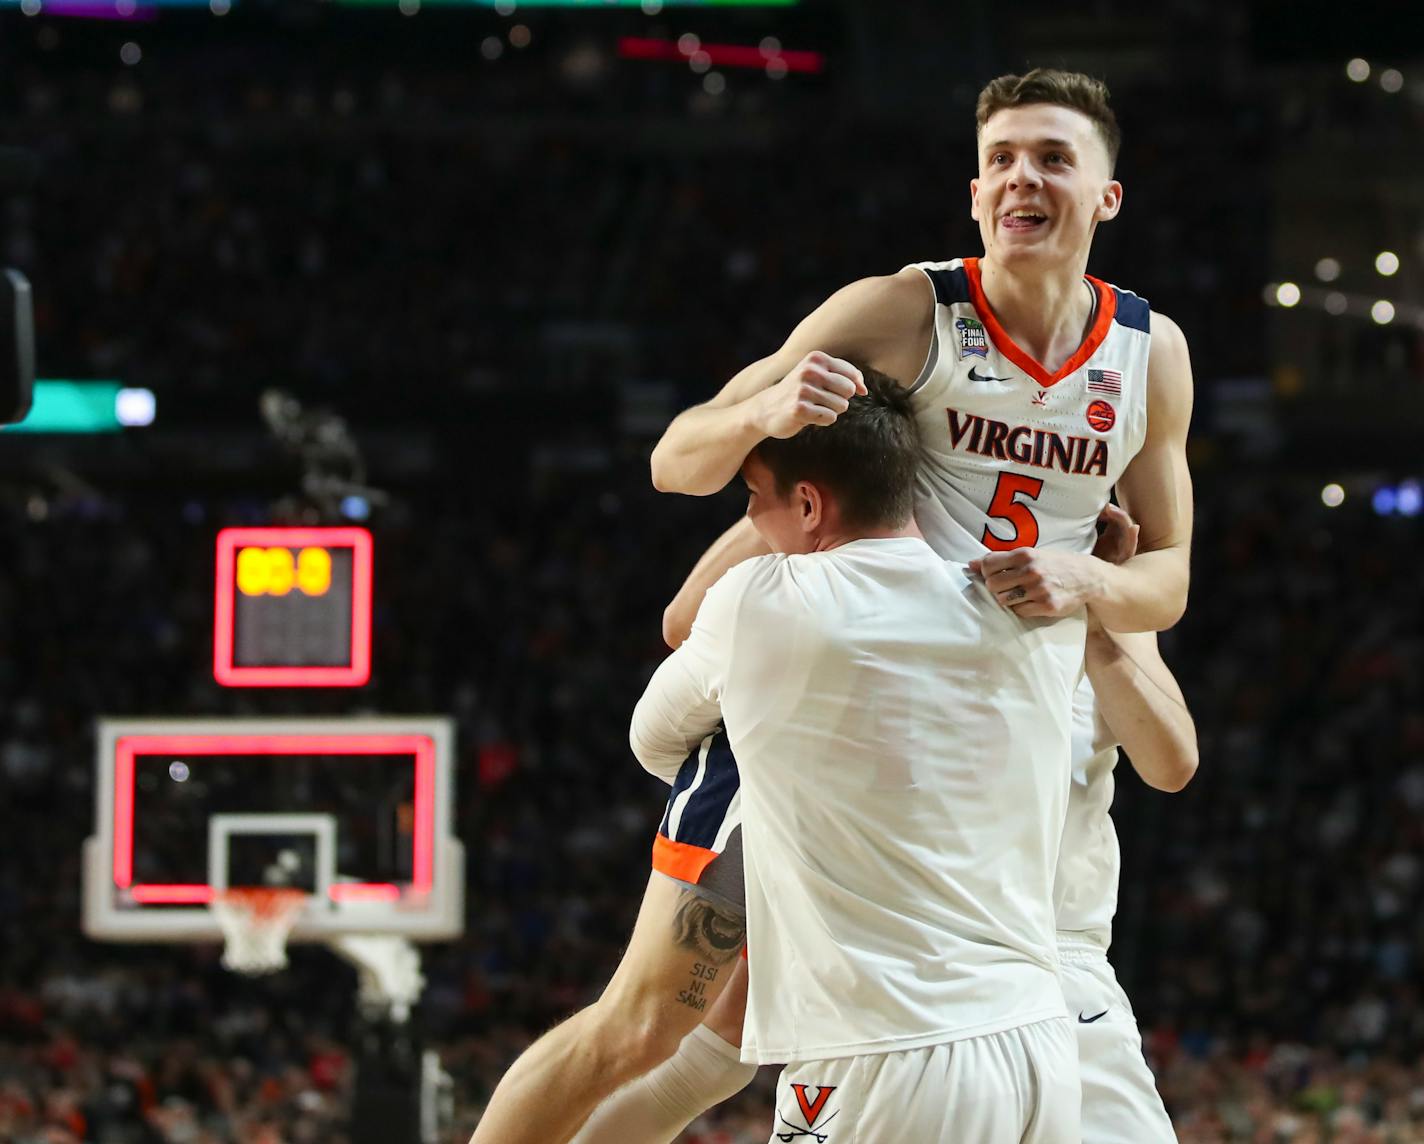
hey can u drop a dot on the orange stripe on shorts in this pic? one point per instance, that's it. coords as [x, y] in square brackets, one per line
[681, 860]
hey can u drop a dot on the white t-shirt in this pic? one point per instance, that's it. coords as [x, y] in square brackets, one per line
[1085, 888]
[903, 745]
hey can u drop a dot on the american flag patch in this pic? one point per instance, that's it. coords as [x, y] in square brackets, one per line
[1105, 381]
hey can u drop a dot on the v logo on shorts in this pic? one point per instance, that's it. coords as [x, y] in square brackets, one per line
[811, 1110]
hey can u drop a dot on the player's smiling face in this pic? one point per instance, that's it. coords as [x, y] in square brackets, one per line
[1044, 184]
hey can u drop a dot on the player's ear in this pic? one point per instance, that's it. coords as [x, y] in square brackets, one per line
[1110, 202]
[974, 199]
[811, 506]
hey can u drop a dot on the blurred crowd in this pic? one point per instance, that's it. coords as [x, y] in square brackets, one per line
[203, 227]
[424, 247]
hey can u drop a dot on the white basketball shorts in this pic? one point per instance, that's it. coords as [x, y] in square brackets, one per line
[1015, 1087]
[1120, 1100]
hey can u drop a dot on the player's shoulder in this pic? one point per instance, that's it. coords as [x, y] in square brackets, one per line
[948, 278]
[751, 578]
[1167, 356]
[723, 604]
[1166, 333]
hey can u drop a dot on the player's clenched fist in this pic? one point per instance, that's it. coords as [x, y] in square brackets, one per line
[815, 392]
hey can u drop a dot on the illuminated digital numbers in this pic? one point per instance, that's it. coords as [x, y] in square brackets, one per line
[276, 571]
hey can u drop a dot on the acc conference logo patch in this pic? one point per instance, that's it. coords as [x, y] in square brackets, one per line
[1101, 416]
[972, 340]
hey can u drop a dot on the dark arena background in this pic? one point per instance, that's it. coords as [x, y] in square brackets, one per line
[444, 271]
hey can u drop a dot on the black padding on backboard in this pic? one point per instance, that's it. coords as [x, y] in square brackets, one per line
[17, 347]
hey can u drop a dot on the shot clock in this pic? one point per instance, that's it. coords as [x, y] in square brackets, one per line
[293, 607]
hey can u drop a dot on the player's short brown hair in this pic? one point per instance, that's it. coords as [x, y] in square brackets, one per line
[867, 459]
[1062, 88]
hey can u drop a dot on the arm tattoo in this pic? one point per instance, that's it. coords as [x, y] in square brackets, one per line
[713, 933]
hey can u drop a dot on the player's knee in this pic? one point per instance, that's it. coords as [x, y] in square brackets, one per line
[635, 1037]
[654, 1039]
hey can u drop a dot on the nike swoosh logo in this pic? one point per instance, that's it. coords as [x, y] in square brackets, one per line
[975, 375]
[1089, 1020]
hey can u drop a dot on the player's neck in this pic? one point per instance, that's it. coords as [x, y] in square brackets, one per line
[1046, 313]
[838, 537]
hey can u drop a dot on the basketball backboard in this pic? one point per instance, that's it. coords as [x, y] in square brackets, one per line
[356, 812]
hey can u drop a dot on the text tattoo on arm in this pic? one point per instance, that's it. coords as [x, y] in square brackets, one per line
[715, 935]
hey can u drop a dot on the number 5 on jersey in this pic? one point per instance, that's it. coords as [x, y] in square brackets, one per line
[1007, 506]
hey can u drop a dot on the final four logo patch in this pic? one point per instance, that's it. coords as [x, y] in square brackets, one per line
[972, 341]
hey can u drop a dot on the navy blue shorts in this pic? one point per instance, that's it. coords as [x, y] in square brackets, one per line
[700, 840]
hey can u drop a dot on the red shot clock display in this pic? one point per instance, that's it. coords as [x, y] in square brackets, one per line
[293, 607]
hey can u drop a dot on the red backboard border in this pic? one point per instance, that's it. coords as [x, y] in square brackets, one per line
[129, 747]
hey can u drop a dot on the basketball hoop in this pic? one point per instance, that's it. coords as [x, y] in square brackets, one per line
[255, 921]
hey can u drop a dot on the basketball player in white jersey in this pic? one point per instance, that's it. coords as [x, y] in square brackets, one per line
[902, 742]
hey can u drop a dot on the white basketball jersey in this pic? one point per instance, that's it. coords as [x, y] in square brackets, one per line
[1017, 457]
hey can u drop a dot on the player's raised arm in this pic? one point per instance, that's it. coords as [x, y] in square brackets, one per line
[1149, 592]
[884, 322]
[1142, 704]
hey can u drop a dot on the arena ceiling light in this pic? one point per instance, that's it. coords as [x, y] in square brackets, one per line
[1337, 303]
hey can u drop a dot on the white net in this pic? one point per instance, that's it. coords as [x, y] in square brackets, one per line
[256, 921]
[388, 971]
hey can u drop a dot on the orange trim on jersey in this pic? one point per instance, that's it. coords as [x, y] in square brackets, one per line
[1107, 310]
[681, 860]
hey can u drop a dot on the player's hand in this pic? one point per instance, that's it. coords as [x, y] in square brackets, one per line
[816, 392]
[1035, 582]
[1118, 540]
